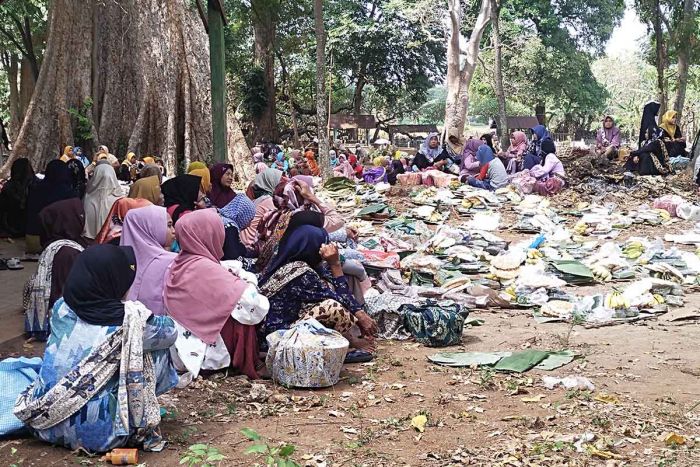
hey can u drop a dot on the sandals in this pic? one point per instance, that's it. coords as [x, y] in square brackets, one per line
[14, 264]
[358, 356]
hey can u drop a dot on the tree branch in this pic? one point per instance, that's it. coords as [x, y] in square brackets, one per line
[13, 40]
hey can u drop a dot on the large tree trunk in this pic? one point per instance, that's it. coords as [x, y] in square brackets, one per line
[145, 66]
[264, 18]
[498, 75]
[683, 46]
[15, 112]
[26, 87]
[661, 59]
[459, 75]
[239, 154]
[321, 98]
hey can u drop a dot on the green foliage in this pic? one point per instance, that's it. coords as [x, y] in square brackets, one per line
[82, 132]
[253, 91]
[201, 455]
[275, 456]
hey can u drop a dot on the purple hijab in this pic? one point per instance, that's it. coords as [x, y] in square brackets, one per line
[220, 195]
[469, 165]
[145, 230]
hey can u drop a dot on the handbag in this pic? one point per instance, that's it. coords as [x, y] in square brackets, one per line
[435, 324]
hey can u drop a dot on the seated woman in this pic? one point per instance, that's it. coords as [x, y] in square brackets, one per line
[221, 178]
[513, 157]
[344, 168]
[62, 225]
[377, 172]
[356, 166]
[147, 188]
[150, 232]
[103, 190]
[431, 155]
[492, 175]
[260, 192]
[395, 169]
[670, 133]
[296, 290]
[550, 175]
[112, 228]
[607, 140]
[534, 152]
[105, 361]
[469, 166]
[310, 157]
[13, 199]
[651, 159]
[648, 128]
[236, 216]
[280, 163]
[182, 194]
[127, 170]
[215, 311]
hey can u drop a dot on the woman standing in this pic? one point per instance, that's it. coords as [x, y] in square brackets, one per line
[103, 190]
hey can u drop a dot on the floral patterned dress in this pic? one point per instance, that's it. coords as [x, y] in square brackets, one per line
[94, 426]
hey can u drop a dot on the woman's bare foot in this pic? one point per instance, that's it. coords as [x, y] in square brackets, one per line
[262, 371]
[362, 343]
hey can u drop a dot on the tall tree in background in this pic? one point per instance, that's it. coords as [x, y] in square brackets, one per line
[459, 76]
[139, 82]
[498, 72]
[687, 40]
[321, 96]
[265, 17]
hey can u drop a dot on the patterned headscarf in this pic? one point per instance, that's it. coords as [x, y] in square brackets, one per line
[239, 212]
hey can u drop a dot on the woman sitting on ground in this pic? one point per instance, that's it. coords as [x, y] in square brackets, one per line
[105, 361]
[150, 232]
[280, 163]
[607, 140]
[431, 155]
[13, 199]
[62, 225]
[182, 194]
[296, 290]
[344, 168]
[395, 169]
[221, 178]
[103, 190]
[215, 311]
[112, 229]
[670, 133]
[534, 153]
[469, 166]
[652, 159]
[513, 157]
[260, 192]
[377, 172]
[236, 216]
[550, 174]
[492, 174]
[148, 186]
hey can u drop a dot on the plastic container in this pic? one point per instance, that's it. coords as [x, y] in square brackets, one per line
[122, 456]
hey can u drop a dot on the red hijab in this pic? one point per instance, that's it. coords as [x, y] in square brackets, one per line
[199, 293]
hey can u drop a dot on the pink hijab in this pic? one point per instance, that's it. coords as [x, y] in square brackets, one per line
[519, 143]
[199, 293]
[293, 200]
[145, 230]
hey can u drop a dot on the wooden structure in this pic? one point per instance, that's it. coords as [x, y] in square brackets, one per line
[410, 130]
[522, 123]
[352, 124]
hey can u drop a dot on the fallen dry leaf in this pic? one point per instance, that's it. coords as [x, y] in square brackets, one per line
[418, 422]
[536, 398]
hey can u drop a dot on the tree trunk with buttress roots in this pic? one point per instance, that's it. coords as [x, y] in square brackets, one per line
[264, 18]
[145, 66]
[460, 74]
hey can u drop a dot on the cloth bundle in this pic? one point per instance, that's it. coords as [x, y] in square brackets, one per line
[409, 179]
[433, 324]
[308, 355]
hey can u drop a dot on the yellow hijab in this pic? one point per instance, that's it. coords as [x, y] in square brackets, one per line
[196, 165]
[148, 160]
[666, 123]
[67, 154]
[147, 188]
[206, 177]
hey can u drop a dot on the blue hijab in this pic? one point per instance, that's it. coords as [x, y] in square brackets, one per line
[239, 212]
[303, 244]
[484, 155]
[541, 132]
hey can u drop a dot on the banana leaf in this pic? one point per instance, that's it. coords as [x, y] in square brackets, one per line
[339, 183]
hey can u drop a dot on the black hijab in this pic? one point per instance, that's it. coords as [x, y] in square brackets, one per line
[78, 179]
[488, 139]
[547, 147]
[98, 281]
[56, 186]
[62, 220]
[182, 191]
[306, 217]
[649, 126]
[21, 176]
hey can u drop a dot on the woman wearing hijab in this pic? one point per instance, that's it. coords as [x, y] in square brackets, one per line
[221, 178]
[649, 127]
[205, 184]
[236, 216]
[550, 174]
[127, 169]
[56, 186]
[151, 170]
[377, 172]
[357, 167]
[78, 177]
[182, 194]
[344, 169]
[280, 163]
[534, 154]
[105, 363]
[487, 139]
[150, 232]
[311, 163]
[492, 175]
[260, 192]
[215, 311]
[62, 226]
[431, 154]
[147, 188]
[670, 133]
[111, 231]
[513, 157]
[79, 155]
[607, 140]
[651, 159]
[293, 284]
[469, 165]
[395, 169]
[103, 190]
[13, 199]
[67, 154]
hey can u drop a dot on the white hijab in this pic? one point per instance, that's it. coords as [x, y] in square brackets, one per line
[102, 191]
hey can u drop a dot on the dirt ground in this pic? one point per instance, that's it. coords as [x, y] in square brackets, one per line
[647, 390]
